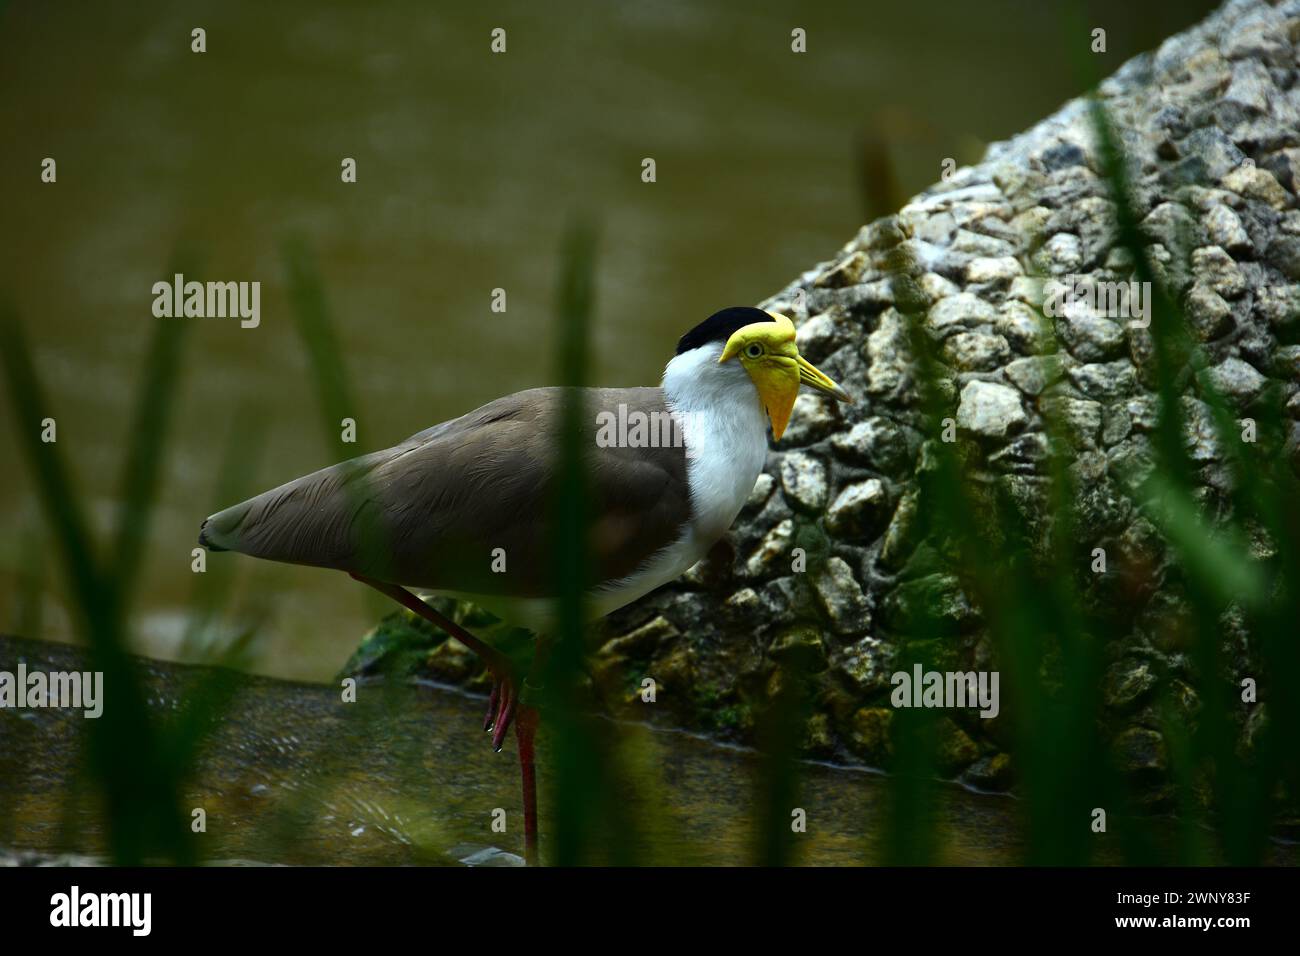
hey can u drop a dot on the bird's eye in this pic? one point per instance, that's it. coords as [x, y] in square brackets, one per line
[754, 350]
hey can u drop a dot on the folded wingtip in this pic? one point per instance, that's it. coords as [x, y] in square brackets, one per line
[205, 539]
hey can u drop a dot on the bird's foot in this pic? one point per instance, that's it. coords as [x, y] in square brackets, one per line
[510, 701]
[503, 702]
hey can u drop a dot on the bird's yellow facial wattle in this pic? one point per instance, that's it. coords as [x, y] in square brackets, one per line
[768, 353]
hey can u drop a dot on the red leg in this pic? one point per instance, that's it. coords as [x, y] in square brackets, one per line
[526, 721]
[502, 702]
[413, 603]
[525, 729]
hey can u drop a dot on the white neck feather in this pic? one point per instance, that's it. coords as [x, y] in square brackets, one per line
[725, 430]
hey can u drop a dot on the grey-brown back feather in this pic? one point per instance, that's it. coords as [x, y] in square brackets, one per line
[431, 511]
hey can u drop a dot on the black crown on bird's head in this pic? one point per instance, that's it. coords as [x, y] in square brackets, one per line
[720, 326]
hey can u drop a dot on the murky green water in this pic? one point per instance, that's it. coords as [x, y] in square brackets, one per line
[468, 166]
[296, 776]
[406, 775]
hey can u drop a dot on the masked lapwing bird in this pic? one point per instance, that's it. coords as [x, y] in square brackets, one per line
[462, 509]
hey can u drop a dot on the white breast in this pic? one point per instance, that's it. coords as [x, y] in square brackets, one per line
[726, 435]
[725, 431]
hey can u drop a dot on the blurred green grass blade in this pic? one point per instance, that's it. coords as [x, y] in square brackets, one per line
[316, 332]
[573, 519]
[49, 472]
[911, 833]
[780, 732]
[591, 821]
[31, 579]
[245, 441]
[1169, 337]
[126, 756]
[1221, 569]
[879, 191]
[579, 783]
[1218, 561]
[148, 438]
[336, 402]
[1032, 612]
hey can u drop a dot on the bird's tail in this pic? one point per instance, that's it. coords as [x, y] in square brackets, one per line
[206, 533]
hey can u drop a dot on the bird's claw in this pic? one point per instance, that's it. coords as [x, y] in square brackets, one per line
[492, 706]
[502, 704]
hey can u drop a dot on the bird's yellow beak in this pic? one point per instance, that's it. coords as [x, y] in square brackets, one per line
[810, 374]
[768, 353]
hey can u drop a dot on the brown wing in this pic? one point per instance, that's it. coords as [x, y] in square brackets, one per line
[433, 511]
